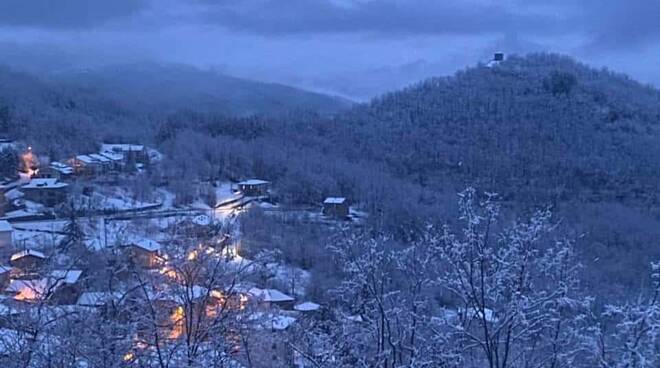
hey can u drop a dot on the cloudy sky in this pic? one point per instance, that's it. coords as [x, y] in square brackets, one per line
[357, 48]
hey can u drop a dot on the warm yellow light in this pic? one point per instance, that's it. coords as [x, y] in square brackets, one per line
[128, 357]
[27, 294]
[177, 323]
[170, 273]
[192, 255]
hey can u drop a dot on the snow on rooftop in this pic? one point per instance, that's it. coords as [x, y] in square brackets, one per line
[307, 307]
[334, 200]
[6, 144]
[121, 147]
[59, 165]
[270, 295]
[253, 182]
[86, 159]
[147, 244]
[66, 276]
[28, 289]
[113, 156]
[5, 226]
[63, 168]
[99, 158]
[277, 322]
[44, 183]
[27, 252]
[98, 298]
[14, 194]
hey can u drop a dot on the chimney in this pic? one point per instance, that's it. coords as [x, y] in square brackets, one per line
[499, 56]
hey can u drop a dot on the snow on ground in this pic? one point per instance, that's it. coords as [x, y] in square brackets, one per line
[267, 205]
[289, 275]
[200, 205]
[272, 321]
[16, 214]
[224, 193]
[102, 233]
[36, 240]
[114, 198]
[166, 199]
[45, 226]
[29, 209]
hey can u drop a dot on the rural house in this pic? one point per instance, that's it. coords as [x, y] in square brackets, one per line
[254, 187]
[56, 170]
[336, 207]
[144, 253]
[67, 286]
[85, 165]
[27, 261]
[47, 191]
[132, 153]
[271, 297]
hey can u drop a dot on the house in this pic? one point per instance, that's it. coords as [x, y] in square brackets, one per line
[84, 165]
[60, 287]
[272, 297]
[254, 187]
[336, 207]
[47, 191]
[56, 170]
[6, 235]
[132, 153]
[28, 290]
[67, 286]
[98, 299]
[27, 261]
[144, 253]
[116, 159]
[104, 164]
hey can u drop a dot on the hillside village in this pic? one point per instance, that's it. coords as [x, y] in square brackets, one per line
[75, 245]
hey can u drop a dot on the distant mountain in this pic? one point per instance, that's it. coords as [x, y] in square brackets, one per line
[166, 88]
[83, 107]
[368, 83]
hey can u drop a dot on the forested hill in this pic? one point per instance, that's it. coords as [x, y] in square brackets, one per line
[540, 130]
[82, 108]
[539, 125]
[169, 87]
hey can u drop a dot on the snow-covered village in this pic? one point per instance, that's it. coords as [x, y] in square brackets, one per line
[329, 184]
[81, 254]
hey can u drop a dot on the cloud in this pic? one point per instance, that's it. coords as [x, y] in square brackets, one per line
[357, 47]
[384, 17]
[618, 25]
[66, 14]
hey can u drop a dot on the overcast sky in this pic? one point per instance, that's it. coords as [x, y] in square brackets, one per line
[352, 47]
